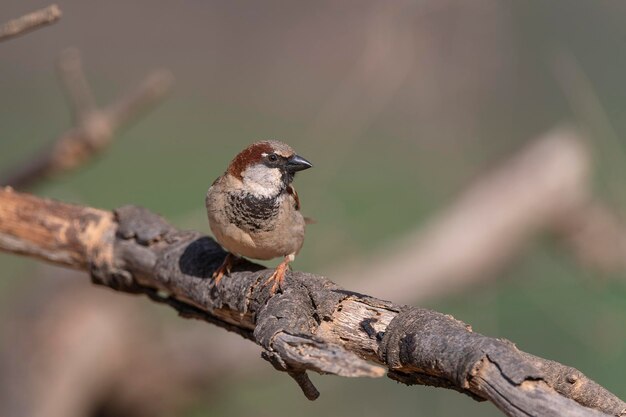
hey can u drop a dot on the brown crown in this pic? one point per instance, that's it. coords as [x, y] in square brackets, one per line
[253, 154]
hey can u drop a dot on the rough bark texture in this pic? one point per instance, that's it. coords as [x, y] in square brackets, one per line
[312, 324]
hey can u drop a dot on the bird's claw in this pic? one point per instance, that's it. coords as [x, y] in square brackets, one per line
[224, 269]
[277, 277]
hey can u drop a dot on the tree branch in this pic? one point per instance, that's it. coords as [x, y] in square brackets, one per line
[312, 325]
[75, 85]
[487, 225]
[94, 127]
[543, 187]
[29, 22]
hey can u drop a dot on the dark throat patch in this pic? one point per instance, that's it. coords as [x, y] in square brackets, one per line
[252, 213]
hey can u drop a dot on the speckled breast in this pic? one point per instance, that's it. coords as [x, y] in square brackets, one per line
[252, 213]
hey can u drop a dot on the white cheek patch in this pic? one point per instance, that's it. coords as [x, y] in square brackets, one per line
[262, 181]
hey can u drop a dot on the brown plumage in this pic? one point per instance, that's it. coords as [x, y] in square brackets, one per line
[253, 209]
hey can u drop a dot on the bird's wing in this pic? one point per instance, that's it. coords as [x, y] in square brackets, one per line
[292, 191]
[294, 194]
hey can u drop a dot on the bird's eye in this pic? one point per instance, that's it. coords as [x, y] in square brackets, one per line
[272, 157]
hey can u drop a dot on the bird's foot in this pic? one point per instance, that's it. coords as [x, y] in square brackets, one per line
[278, 276]
[224, 268]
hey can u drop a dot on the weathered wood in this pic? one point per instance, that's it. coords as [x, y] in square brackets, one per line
[313, 324]
[60, 233]
[514, 401]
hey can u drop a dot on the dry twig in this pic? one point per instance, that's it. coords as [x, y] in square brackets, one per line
[312, 325]
[94, 127]
[31, 21]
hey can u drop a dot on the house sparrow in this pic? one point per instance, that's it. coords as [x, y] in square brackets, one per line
[253, 209]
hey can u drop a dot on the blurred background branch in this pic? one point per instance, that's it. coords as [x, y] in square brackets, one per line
[543, 188]
[30, 21]
[94, 353]
[94, 127]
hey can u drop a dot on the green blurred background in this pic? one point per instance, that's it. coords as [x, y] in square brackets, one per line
[398, 104]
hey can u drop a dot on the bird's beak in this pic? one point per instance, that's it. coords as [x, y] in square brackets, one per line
[297, 163]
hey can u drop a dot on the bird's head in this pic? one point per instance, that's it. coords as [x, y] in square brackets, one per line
[266, 168]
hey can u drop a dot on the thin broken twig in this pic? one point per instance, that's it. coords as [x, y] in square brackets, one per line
[29, 22]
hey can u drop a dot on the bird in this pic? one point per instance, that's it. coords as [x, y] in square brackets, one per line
[254, 210]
